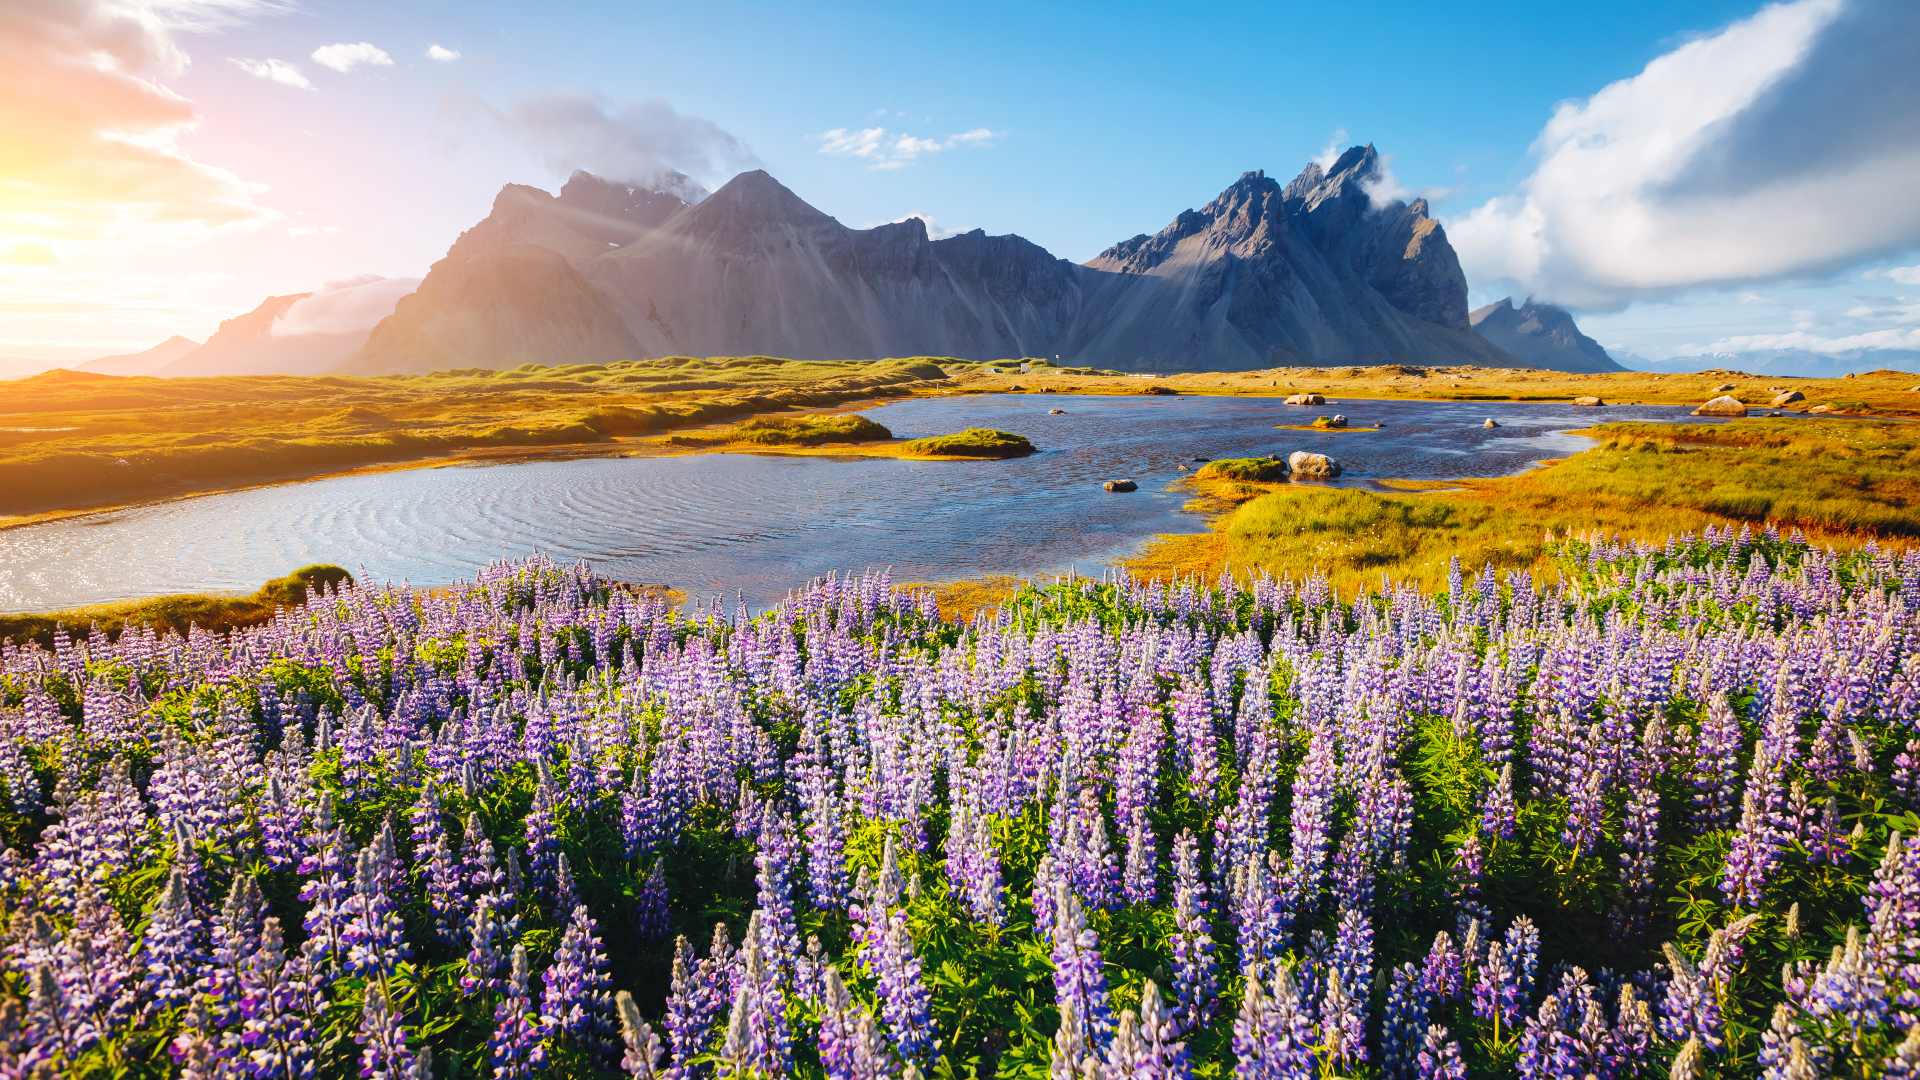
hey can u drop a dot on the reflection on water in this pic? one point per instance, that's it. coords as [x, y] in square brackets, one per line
[757, 525]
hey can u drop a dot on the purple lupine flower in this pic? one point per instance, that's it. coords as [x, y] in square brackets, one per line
[774, 864]
[850, 1048]
[328, 893]
[643, 1055]
[1079, 986]
[699, 992]
[440, 873]
[1145, 1045]
[515, 1049]
[1196, 971]
[757, 1039]
[1443, 975]
[1440, 1056]
[826, 834]
[384, 1054]
[576, 1002]
[487, 957]
[1405, 1023]
[1273, 1036]
[905, 1004]
[174, 947]
[276, 1001]
[375, 936]
[653, 915]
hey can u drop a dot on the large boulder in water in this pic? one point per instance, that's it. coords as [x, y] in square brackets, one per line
[1589, 400]
[1120, 485]
[1722, 406]
[1787, 397]
[1306, 399]
[1308, 465]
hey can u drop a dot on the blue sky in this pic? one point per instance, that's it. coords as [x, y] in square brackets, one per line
[1073, 125]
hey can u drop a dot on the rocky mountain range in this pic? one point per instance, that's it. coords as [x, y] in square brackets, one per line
[1540, 335]
[1309, 272]
[1319, 270]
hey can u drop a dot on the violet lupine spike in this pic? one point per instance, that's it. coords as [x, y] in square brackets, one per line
[576, 1003]
[644, 1056]
[850, 1045]
[174, 948]
[1196, 969]
[1080, 987]
[384, 1054]
[1273, 1035]
[515, 1050]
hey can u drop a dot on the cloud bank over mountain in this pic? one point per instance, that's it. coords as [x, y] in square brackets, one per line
[1786, 143]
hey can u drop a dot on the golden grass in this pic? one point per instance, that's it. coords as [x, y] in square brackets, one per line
[176, 613]
[1883, 392]
[961, 600]
[72, 441]
[974, 442]
[1840, 481]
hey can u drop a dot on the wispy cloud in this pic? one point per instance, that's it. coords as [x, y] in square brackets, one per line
[640, 142]
[345, 56]
[885, 150]
[273, 70]
[442, 54]
[1905, 275]
[1783, 144]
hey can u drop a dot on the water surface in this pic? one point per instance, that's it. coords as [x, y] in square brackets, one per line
[753, 525]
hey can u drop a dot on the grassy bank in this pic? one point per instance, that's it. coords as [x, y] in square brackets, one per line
[1843, 481]
[1882, 392]
[72, 441]
[175, 613]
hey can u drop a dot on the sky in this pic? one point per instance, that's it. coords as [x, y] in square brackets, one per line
[1708, 176]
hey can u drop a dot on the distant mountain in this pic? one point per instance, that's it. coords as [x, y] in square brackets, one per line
[1314, 272]
[1786, 362]
[1540, 335]
[247, 345]
[145, 362]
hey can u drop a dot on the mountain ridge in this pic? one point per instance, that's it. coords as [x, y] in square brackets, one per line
[1263, 274]
[1541, 335]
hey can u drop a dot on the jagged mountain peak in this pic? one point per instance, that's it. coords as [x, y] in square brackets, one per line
[756, 195]
[602, 195]
[1540, 334]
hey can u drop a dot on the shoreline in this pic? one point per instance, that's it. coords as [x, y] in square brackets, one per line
[656, 445]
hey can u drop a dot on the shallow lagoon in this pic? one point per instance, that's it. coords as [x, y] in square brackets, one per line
[756, 525]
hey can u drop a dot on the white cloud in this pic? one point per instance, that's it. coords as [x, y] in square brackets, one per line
[92, 129]
[274, 71]
[442, 54]
[641, 142]
[345, 56]
[1330, 153]
[1889, 338]
[885, 150]
[1905, 275]
[1782, 144]
[340, 307]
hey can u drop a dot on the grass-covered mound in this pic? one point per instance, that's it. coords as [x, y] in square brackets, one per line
[1657, 805]
[1254, 470]
[177, 613]
[972, 443]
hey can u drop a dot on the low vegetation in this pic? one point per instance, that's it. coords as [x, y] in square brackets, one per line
[176, 614]
[1266, 470]
[73, 441]
[802, 429]
[973, 442]
[1881, 392]
[1842, 481]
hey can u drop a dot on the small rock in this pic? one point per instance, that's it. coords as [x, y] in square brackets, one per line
[1821, 409]
[1489, 423]
[1120, 485]
[1312, 466]
[1724, 388]
[1334, 421]
[1787, 397]
[1056, 412]
[1589, 400]
[1306, 399]
[1722, 406]
[1203, 459]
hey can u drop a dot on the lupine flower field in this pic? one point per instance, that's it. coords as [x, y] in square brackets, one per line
[1654, 817]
